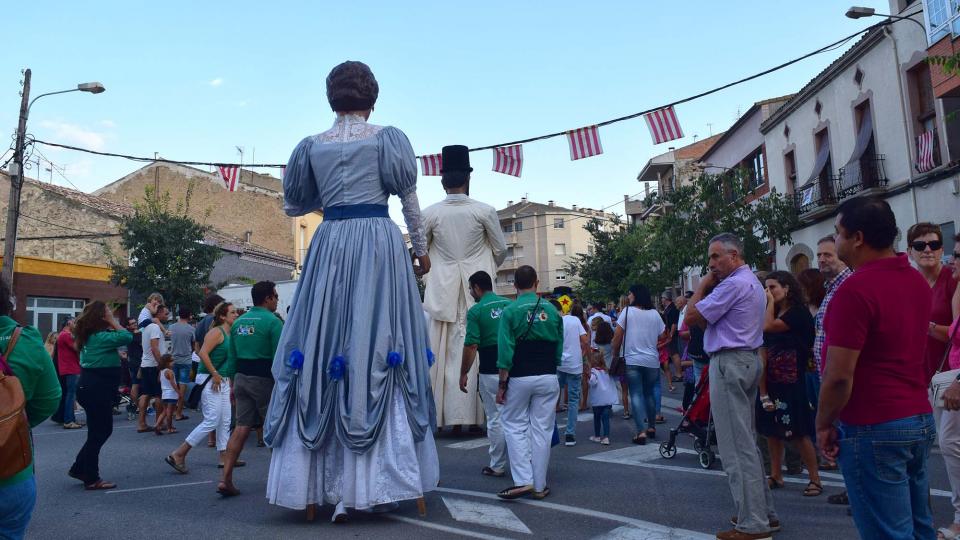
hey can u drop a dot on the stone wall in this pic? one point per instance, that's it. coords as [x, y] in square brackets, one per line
[249, 209]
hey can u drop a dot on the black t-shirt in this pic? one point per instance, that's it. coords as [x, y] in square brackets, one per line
[135, 352]
[695, 350]
[671, 318]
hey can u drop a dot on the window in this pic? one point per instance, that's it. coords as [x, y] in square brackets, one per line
[924, 116]
[49, 314]
[790, 170]
[943, 17]
[560, 277]
[559, 249]
[557, 223]
[508, 228]
[518, 226]
[755, 168]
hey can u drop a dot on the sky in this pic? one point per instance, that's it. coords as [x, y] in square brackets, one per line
[194, 80]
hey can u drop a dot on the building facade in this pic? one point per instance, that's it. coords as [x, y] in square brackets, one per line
[668, 171]
[546, 237]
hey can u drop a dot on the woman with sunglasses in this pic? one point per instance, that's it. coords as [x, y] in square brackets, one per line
[926, 249]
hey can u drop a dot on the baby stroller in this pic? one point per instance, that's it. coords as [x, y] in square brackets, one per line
[698, 421]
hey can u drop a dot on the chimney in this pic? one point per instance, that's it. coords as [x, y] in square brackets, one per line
[574, 208]
[550, 203]
[671, 149]
[247, 236]
[523, 199]
[509, 203]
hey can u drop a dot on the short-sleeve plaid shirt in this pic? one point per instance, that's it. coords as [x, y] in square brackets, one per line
[820, 338]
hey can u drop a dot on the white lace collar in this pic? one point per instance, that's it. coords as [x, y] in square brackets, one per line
[348, 128]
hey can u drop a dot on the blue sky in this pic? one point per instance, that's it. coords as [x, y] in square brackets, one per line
[193, 80]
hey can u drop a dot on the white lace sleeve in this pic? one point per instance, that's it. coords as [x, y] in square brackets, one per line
[411, 215]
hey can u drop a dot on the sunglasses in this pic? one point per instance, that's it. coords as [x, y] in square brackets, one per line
[919, 245]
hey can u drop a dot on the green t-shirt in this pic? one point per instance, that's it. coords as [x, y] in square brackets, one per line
[100, 350]
[33, 366]
[483, 320]
[547, 326]
[253, 341]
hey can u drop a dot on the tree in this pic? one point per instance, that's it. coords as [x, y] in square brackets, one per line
[656, 253]
[166, 252]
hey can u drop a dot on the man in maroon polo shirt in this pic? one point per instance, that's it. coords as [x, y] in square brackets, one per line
[874, 416]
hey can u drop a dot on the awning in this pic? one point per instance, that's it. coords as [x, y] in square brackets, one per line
[819, 164]
[851, 171]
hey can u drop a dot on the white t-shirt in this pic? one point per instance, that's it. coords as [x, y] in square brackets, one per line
[606, 318]
[151, 332]
[642, 328]
[572, 361]
[145, 315]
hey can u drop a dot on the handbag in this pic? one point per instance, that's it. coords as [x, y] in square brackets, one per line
[193, 400]
[618, 367]
[943, 379]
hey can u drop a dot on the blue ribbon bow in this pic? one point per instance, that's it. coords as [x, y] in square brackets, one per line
[296, 360]
[338, 366]
[394, 359]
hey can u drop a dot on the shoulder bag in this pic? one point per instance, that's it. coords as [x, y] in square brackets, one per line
[618, 367]
[15, 453]
[193, 400]
[943, 379]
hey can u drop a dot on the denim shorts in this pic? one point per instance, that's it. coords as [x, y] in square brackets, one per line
[181, 372]
[170, 401]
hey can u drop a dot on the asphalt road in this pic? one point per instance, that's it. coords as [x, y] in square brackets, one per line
[621, 491]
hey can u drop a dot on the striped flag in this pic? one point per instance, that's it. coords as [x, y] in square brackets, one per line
[283, 171]
[584, 143]
[430, 165]
[230, 175]
[663, 125]
[508, 160]
[925, 152]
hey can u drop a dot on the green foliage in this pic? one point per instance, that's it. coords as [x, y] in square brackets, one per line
[657, 252]
[165, 252]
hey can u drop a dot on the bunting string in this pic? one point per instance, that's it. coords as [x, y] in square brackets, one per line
[661, 120]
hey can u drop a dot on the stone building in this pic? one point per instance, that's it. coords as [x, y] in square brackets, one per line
[546, 237]
[674, 168]
[254, 212]
[63, 240]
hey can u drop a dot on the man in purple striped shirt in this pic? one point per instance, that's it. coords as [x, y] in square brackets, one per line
[732, 316]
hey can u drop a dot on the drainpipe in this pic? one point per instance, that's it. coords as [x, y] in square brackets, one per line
[906, 122]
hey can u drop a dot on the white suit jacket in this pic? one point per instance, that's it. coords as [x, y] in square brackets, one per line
[463, 237]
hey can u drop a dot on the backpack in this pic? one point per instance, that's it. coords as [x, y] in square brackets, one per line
[604, 334]
[15, 453]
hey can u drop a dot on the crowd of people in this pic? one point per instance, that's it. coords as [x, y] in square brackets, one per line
[837, 363]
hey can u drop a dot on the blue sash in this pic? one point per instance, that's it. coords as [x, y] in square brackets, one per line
[355, 211]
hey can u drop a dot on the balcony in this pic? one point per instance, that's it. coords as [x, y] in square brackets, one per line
[870, 177]
[818, 198]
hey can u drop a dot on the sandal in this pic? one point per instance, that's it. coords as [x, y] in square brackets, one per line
[839, 498]
[99, 484]
[541, 494]
[947, 534]
[660, 419]
[223, 490]
[515, 492]
[829, 466]
[172, 430]
[627, 416]
[490, 471]
[238, 463]
[640, 439]
[146, 429]
[179, 467]
[767, 403]
[773, 483]
[814, 489]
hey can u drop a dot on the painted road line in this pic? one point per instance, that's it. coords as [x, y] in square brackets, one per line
[470, 444]
[649, 456]
[488, 515]
[82, 430]
[629, 532]
[667, 532]
[165, 486]
[444, 528]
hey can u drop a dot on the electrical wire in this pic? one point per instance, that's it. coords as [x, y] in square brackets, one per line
[57, 224]
[783, 65]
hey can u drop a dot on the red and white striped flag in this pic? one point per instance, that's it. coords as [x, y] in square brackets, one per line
[584, 143]
[230, 174]
[508, 160]
[663, 125]
[925, 152]
[283, 171]
[430, 165]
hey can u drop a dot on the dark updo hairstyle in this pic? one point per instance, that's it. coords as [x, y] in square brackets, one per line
[351, 86]
[795, 296]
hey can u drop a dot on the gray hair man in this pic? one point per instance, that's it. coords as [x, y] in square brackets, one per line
[732, 316]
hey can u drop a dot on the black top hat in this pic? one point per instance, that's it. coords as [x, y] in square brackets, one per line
[455, 158]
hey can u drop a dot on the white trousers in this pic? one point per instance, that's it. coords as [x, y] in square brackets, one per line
[498, 446]
[215, 407]
[948, 434]
[528, 418]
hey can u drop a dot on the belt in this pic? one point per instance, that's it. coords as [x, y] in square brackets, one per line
[355, 211]
[735, 349]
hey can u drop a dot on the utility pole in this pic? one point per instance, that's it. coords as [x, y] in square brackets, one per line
[16, 182]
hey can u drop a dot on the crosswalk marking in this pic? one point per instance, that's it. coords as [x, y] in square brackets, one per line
[646, 533]
[470, 444]
[488, 515]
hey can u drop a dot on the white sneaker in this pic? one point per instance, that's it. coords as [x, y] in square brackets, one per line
[595, 439]
[605, 441]
[339, 514]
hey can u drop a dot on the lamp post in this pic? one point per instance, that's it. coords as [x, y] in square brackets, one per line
[16, 170]
[859, 12]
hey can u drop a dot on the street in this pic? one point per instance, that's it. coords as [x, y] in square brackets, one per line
[622, 491]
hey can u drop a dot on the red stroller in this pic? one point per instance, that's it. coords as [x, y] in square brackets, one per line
[697, 421]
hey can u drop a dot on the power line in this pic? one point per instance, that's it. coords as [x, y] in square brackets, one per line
[59, 170]
[57, 224]
[788, 63]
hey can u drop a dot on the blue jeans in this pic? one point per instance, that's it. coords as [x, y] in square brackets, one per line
[885, 469]
[601, 421]
[572, 382]
[70, 397]
[658, 393]
[16, 507]
[181, 373]
[698, 370]
[643, 383]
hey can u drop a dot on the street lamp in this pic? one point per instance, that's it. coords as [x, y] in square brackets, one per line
[859, 12]
[16, 170]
